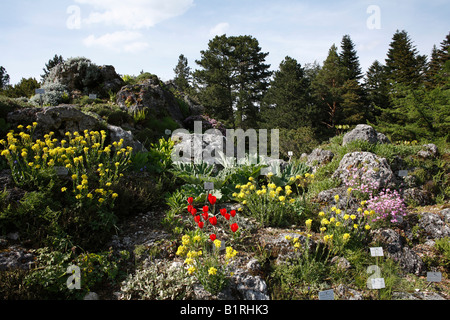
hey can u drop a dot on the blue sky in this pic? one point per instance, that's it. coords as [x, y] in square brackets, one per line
[149, 35]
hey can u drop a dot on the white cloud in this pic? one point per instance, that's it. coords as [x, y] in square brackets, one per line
[219, 29]
[128, 41]
[134, 14]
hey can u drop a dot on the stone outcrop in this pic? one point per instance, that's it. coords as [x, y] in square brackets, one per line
[364, 132]
[370, 167]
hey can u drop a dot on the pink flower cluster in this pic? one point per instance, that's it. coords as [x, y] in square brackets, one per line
[359, 180]
[388, 204]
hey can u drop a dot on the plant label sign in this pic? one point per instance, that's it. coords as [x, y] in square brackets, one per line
[376, 252]
[326, 295]
[434, 276]
[378, 283]
[290, 153]
[402, 173]
[209, 186]
[39, 91]
[92, 96]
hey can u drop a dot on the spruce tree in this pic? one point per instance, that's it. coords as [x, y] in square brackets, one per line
[403, 63]
[436, 74]
[376, 90]
[287, 103]
[349, 59]
[182, 73]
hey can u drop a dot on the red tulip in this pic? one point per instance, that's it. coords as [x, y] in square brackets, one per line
[205, 208]
[201, 224]
[212, 199]
[227, 216]
[233, 213]
[193, 211]
[213, 220]
[189, 208]
[212, 237]
[190, 200]
[234, 227]
[205, 215]
[223, 211]
[197, 219]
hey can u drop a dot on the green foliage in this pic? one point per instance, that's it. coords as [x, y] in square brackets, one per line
[49, 277]
[231, 78]
[443, 247]
[300, 140]
[25, 88]
[182, 74]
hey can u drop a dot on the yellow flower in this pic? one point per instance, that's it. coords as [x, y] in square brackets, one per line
[363, 202]
[353, 217]
[336, 197]
[322, 229]
[189, 261]
[78, 196]
[355, 226]
[74, 177]
[324, 222]
[338, 211]
[197, 238]
[359, 209]
[217, 243]
[212, 271]
[288, 238]
[185, 239]
[191, 270]
[367, 227]
[230, 253]
[271, 185]
[346, 236]
[181, 251]
[338, 224]
[63, 189]
[114, 195]
[366, 212]
[244, 202]
[349, 190]
[332, 219]
[258, 192]
[282, 198]
[346, 217]
[241, 195]
[238, 186]
[270, 174]
[308, 223]
[292, 200]
[252, 187]
[89, 195]
[101, 200]
[321, 214]
[250, 179]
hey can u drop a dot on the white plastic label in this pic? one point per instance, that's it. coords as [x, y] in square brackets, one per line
[434, 276]
[326, 295]
[376, 252]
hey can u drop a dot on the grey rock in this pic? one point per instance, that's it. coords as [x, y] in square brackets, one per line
[249, 287]
[364, 132]
[341, 263]
[434, 226]
[429, 151]
[150, 95]
[253, 265]
[319, 157]
[446, 215]
[346, 293]
[373, 168]
[395, 247]
[15, 257]
[117, 133]
[416, 196]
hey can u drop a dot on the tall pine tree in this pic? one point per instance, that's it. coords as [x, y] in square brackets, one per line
[287, 103]
[349, 59]
[233, 79]
[436, 74]
[403, 63]
[182, 73]
[376, 90]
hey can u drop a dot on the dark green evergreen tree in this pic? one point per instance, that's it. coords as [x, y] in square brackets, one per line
[287, 103]
[403, 63]
[182, 74]
[436, 74]
[233, 79]
[4, 78]
[327, 92]
[376, 90]
[349, 59]
[25, 88]
[50, 64]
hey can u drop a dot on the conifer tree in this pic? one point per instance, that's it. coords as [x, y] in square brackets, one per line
[182, 73]
[287, 103]
[376, 90]
[50, 64]
[349, 59]
[403, 63]
[233, 79]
